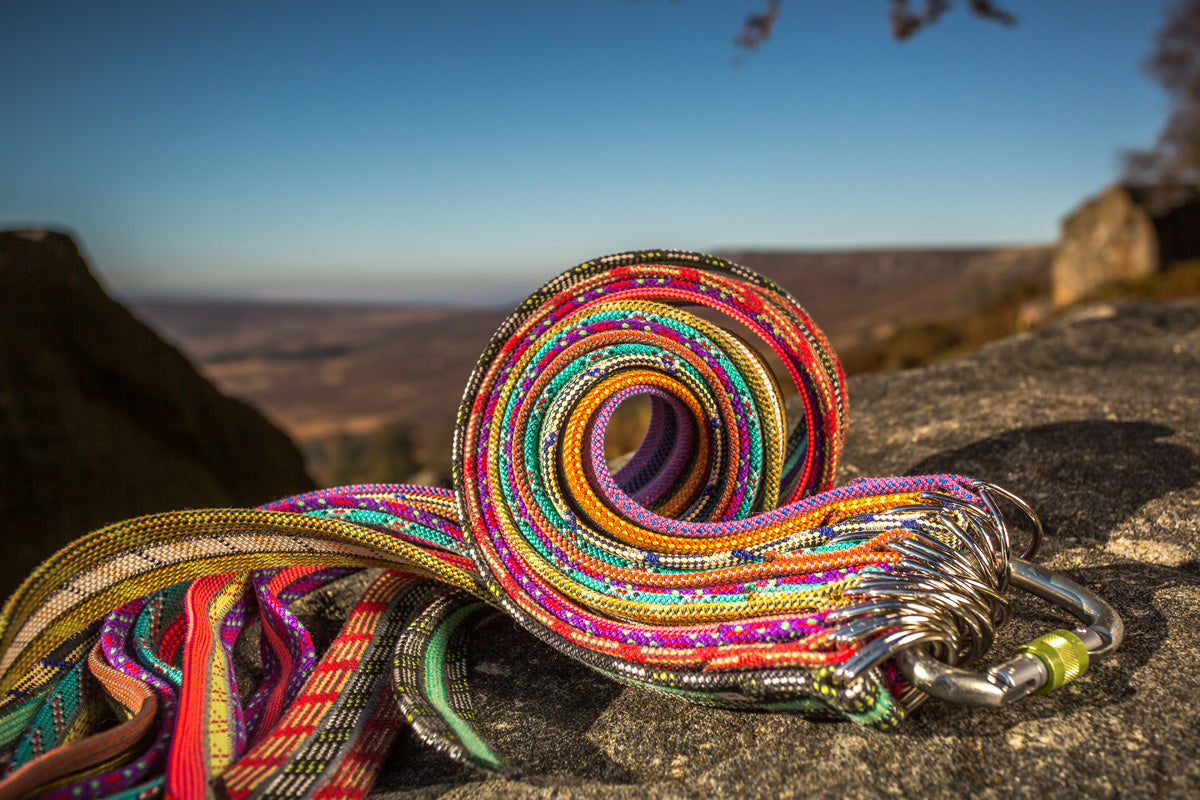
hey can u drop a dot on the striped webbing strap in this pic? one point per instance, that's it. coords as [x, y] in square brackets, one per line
[717, 564]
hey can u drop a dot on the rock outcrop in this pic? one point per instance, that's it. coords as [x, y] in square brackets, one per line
[100, 420]
[1095, 419]
[1123, 235]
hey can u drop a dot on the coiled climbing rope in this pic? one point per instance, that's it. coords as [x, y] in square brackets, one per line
[717, 564]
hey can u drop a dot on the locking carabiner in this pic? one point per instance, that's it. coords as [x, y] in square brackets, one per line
[1039, 666]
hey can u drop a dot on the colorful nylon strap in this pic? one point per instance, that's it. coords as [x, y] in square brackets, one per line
[717, 564]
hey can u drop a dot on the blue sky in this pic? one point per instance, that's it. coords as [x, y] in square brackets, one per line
[468, 150]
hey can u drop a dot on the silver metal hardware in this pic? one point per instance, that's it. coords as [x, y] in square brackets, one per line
[1022, 674]
[942, 602]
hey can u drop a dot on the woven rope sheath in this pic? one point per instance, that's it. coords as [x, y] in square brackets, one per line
[708, 566]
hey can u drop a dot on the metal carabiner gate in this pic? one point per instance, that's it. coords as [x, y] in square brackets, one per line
[1040, 665]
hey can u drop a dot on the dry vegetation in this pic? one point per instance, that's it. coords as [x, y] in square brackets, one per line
[1179, 282]
[918, 343]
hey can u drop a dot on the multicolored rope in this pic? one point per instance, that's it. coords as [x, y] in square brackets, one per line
[718, 564]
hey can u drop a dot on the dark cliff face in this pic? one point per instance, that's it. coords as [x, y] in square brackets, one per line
[101, 420]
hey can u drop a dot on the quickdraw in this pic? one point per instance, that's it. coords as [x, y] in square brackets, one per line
[718, 564]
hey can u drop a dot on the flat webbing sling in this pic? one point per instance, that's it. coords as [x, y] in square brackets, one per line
[717, 564]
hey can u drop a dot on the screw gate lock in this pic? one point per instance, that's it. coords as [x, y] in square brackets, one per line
[1064, 655]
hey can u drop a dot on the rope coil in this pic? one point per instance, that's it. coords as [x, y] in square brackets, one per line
[718, 564]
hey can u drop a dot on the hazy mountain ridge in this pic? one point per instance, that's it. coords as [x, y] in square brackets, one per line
[856, 295]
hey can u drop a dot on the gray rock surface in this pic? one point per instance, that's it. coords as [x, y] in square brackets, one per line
[1095, 419]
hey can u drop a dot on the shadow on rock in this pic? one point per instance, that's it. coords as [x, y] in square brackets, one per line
[1082, 477]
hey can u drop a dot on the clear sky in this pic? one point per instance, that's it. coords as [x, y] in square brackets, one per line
[467, 150]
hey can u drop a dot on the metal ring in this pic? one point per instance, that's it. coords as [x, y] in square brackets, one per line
[945, 593]
[1024, 673]
[986, 489]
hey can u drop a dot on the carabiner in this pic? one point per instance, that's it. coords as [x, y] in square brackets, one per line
[1041, 665]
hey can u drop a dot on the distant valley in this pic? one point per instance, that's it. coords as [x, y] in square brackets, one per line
[331, 374]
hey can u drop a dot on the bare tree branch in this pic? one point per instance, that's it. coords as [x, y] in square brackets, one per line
[757, 27]
[904, 18]
[907, 21]
[1175, 66]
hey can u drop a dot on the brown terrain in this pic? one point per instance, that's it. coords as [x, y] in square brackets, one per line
[861, 296]
[326, 375]
[330, 376]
